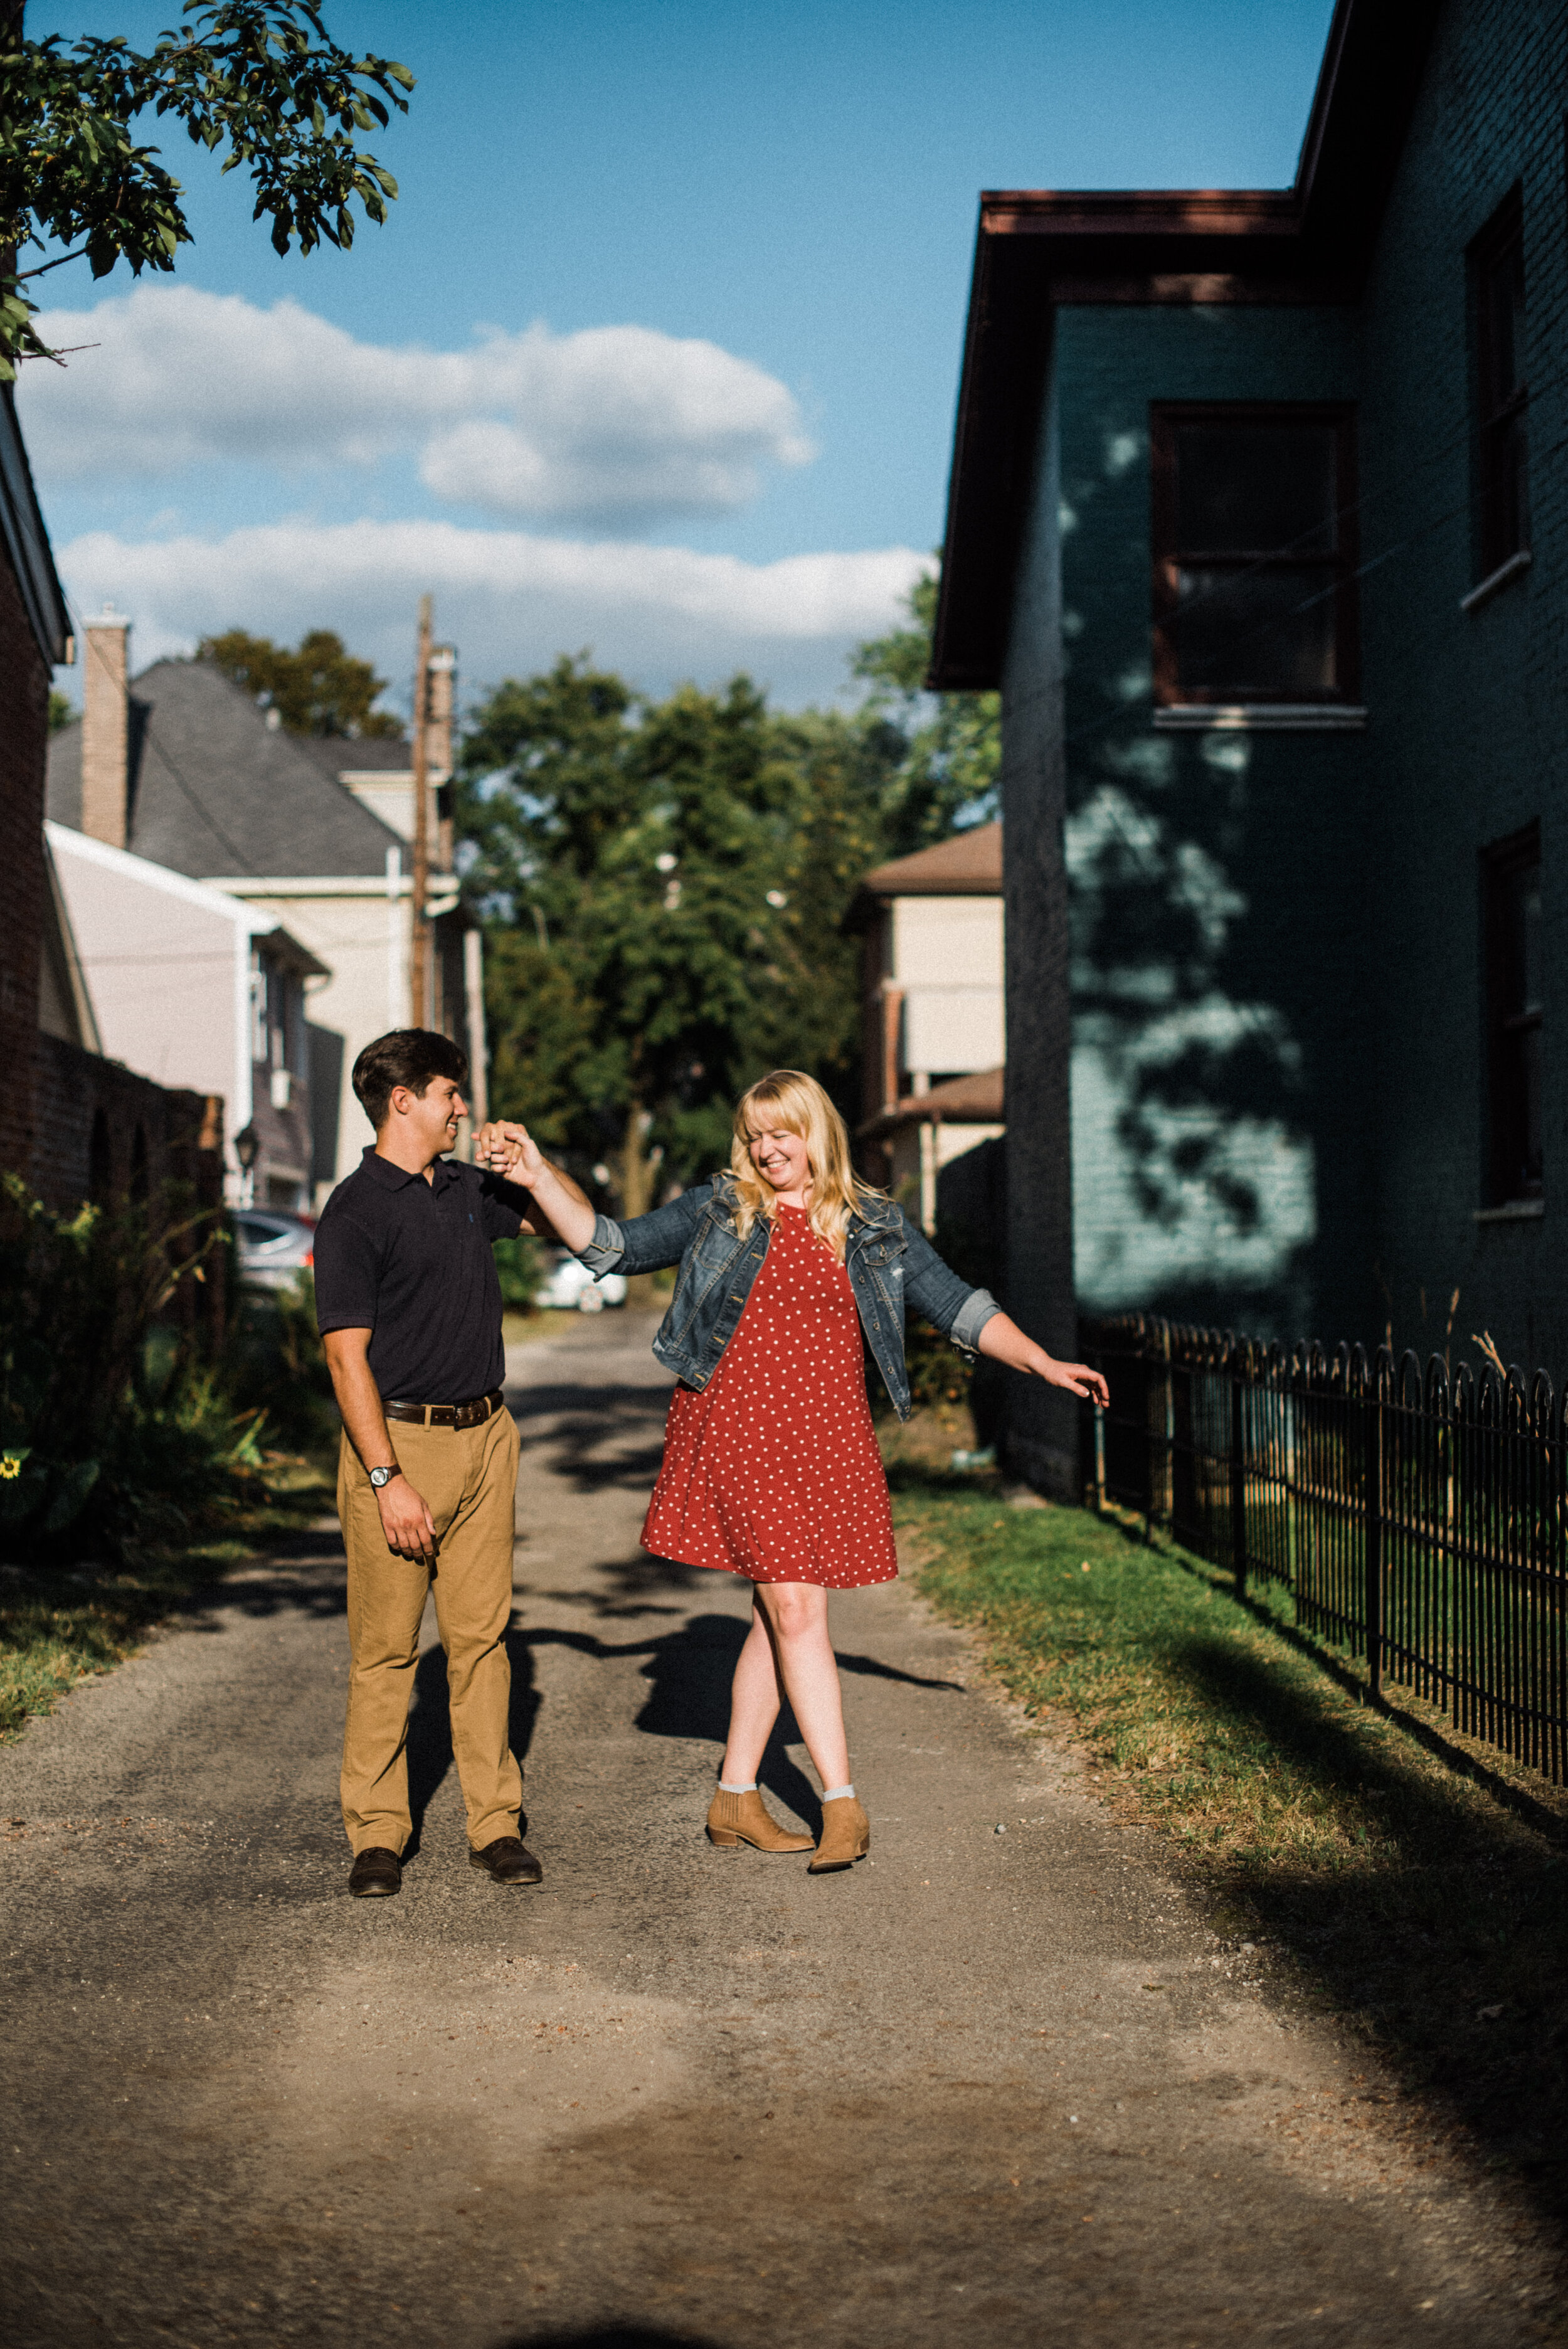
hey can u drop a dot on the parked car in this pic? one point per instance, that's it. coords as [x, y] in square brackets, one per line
[274, 1246]
[570, 1287]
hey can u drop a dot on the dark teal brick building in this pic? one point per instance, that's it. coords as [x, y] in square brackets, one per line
[1258, 521]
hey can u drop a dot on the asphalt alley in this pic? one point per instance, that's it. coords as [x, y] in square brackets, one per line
[1000, 2085]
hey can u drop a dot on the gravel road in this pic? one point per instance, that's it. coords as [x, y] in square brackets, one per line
[1001, 2085]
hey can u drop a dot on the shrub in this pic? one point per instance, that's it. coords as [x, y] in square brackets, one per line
[274, 1366]
[115, 1433]
[520, 1265]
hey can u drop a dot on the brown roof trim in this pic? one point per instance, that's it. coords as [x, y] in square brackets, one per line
[1037, 249]
[967, 865]
[977, 1099]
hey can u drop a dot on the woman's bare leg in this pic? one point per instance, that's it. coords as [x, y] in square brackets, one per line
[754, 1703]
[796, 1616]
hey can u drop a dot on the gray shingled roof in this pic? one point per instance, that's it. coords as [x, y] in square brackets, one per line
[218, 793]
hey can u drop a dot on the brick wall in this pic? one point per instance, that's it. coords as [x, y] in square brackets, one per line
[1471, 709]
[24, 740]
[1276, 1035]
[103, 1131]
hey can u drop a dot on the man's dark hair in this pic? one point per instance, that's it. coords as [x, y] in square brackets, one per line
[405, 1056]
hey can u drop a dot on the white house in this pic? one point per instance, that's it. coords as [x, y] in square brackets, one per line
[934, 1033]
[181, 768]
[189, 986]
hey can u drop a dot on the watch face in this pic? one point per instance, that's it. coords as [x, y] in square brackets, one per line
[379, 1476]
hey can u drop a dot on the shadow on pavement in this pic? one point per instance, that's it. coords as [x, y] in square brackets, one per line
[610, 2337]
[588, 1447]
[689, 1671]
[1448, 1941]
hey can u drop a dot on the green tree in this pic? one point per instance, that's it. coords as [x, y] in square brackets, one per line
[62, 711]
[320, 688]
[948, 775]
[666, 882]
[638, 854]
[259, 82]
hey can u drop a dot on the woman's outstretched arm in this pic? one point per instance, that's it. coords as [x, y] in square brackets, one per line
[1002, 1338]
[511, 1152]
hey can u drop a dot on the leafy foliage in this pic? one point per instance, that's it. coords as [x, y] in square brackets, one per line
[950, 770]
[318, 689]
[666, 881]
[259, 81]
[667, 884]
[274, 1368]
[112, 1433]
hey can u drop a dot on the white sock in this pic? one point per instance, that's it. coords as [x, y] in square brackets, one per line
[726, 1788]
[837, 1794]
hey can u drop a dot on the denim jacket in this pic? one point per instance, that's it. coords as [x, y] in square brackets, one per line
[889, 1260]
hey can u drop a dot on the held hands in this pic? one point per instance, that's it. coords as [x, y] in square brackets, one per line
[509, 1151]
[407, 1522]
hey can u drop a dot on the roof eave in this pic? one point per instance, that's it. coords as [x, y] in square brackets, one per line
[1037, 249]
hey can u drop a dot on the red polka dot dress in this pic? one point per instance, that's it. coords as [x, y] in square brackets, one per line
[773, 1469]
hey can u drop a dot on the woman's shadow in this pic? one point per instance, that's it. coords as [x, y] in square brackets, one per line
[688, 1671]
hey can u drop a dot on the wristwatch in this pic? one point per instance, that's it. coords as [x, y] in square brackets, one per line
[380, 1476]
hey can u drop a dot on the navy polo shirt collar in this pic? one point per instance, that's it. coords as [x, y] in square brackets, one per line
[397, 1178]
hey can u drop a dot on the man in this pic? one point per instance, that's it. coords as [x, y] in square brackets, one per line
[409, 1310]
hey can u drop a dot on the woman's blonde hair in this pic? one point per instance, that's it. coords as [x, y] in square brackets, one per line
[797, 1105]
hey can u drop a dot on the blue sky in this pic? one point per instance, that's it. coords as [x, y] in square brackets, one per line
[780, 202]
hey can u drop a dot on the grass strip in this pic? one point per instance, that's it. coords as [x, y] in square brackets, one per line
[1402, 1891]
[58, 1626]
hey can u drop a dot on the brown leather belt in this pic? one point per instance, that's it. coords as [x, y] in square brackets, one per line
[447, 1414]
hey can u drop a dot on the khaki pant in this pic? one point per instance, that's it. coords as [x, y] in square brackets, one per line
[468, 1479]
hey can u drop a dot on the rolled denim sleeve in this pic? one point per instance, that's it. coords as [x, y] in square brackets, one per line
[647, 1243]
[606, 1249]
[978, 1307]
[934, 1290]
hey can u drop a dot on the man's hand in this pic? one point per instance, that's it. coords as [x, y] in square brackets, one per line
[562, 1208]
[509, 1151]
[407, 1522]
[409, 1528]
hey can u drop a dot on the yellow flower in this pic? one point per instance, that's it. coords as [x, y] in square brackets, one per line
[10, 1467]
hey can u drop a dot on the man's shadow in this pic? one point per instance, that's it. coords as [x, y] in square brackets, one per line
[429, 1747]
[689, 1673]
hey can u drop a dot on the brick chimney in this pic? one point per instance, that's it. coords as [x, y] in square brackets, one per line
[106, 729]
[438, 706]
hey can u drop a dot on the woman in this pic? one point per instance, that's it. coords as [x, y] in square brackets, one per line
[771, 1468]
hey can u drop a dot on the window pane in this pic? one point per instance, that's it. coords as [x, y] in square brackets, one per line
[1245, 489]
[1502, 297]
[1523, 916]
[1529, 1105]
[1239, 632]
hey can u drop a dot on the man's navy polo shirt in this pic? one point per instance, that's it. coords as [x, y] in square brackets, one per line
[410, 1261]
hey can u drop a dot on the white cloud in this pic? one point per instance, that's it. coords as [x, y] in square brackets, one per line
[510, 600]
[616, 426]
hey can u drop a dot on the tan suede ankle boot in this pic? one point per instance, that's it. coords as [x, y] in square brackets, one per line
[846, 1835]
[744, 1818]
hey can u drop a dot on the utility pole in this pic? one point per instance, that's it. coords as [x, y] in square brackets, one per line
[419, 941]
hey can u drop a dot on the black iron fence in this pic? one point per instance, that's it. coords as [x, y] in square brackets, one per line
[1418, 1520]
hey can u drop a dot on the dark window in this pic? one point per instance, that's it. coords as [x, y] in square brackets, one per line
[1254, 557]
[1510, 875]
[1502, 397]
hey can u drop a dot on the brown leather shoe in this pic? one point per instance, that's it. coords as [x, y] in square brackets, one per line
[735, 1819]
[508, 1860]
[376, 1874]
[846, 1837]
